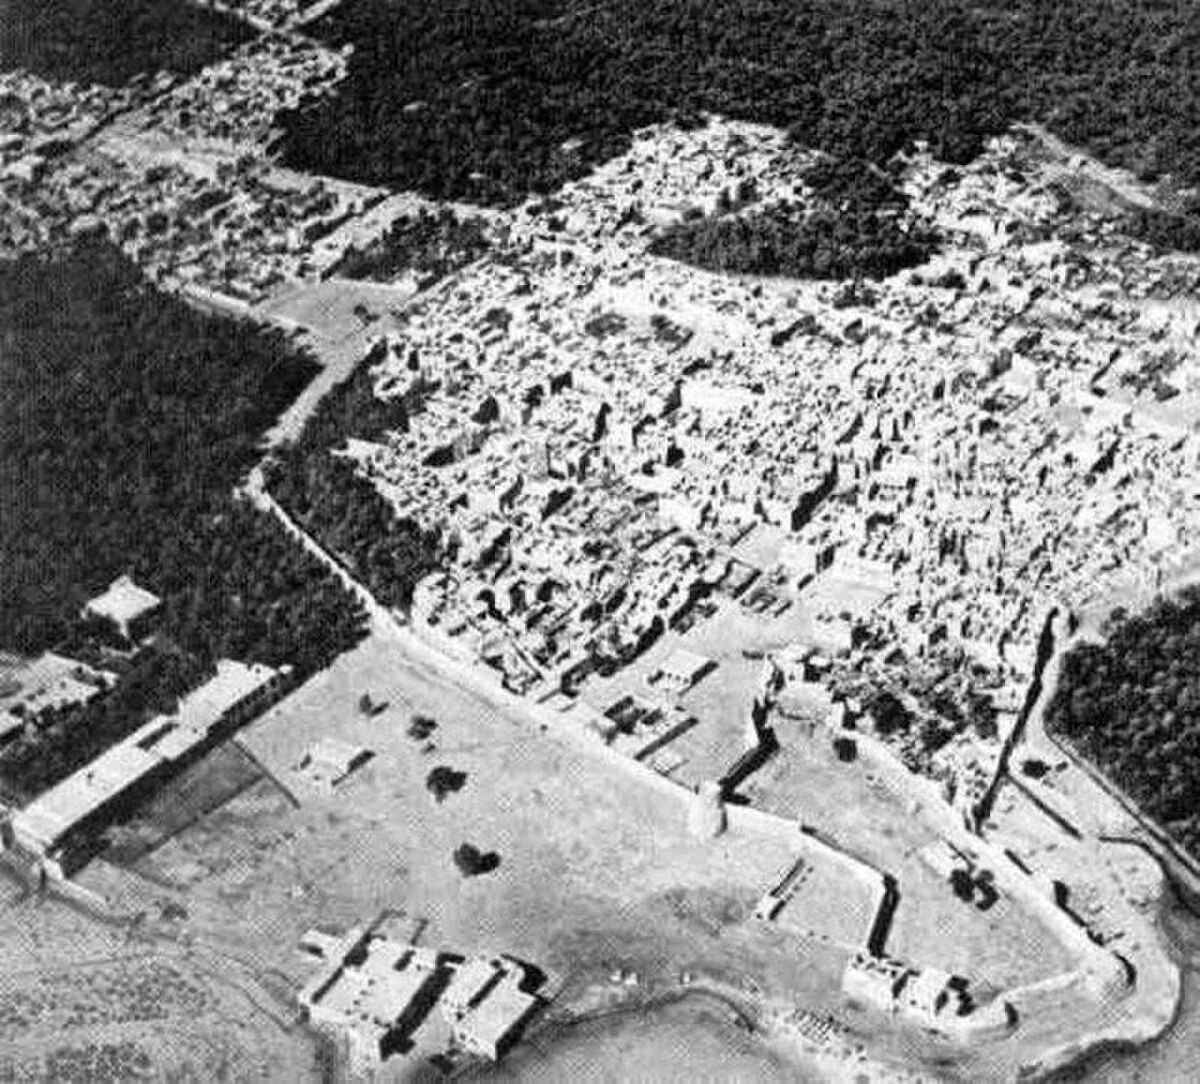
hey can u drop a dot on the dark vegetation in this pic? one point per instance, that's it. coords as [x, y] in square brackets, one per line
[112, 41]
[888, 712]
[1169, 231]
[126, 419]
[541, 90]
[421, 727]
[386, 552]
[1132, 707]
[444, 780]
[471, 861]
[433, 245]
[492, 101]
[370, 707]
[859, 228]
[800, 242]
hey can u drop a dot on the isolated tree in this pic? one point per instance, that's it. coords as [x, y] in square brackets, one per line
[421, 726]
[472, 862]
[444, 780]
[889, 713]
[962, 883]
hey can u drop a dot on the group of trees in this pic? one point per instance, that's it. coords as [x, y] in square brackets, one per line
[323, 490]
[126, 419]
[444, 780]
[111, 41]
[790, 239]
[859, 228]
[472, 862]
[492, 101]
[431, 244]
[385, 552]
[1132, 706]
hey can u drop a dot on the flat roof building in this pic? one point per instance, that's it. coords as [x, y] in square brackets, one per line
[124, 603]
[381, 993]
[489, 1025]
[327, 762]
[681, 670]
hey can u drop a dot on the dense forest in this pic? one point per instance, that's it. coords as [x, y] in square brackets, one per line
[126, 419]
[1132, 707]
[543, 89]
[112, 41]
[386, 552]
[430, 244]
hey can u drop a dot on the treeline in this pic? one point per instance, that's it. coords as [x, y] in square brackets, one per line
[386, 552]
[111, 41]
[431, 244]
[492, 101]
[1132, 707]
[127, 419]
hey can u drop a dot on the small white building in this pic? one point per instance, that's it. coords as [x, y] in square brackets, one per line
[380, 993]
[124, 603]
[681, 670]
[328, 762]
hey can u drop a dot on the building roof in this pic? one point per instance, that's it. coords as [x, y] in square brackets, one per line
[925, 990]
[123, 602]
[376, 992]
[233, 682]
[471, 979]
[490, 1022]
[49, 817]
[328, 761]
[684, 665]
[48, 680]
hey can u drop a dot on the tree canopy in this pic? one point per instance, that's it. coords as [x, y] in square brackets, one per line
[111, 41]
[323, 490]
[126, 421]
[430, 244]
[1132, 706]
[492, 101]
